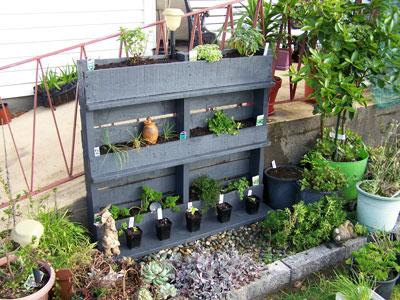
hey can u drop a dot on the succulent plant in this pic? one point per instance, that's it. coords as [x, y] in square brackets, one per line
[157, 273]
[165, 291]
[144, 294]
[211, 275]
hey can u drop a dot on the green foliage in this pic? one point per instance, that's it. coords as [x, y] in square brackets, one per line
[356, 288]
[64, 244]
[222, 124]
[134, 41]
[360, 230]
[237, 185]
[56, 80]
[375, 261]
[207, 190]
[247, 41]
[348, 150]
[192, 210]
[385, 165]
[168, 131]
[171, 202]
[320, 176]
[208, 52]
[306, 226]
[122, 228]
[148, 196]
[137, 141]
[120, 152]
[114, 211]
[157, 275]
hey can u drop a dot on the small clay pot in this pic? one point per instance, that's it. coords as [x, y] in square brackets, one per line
[150, 131]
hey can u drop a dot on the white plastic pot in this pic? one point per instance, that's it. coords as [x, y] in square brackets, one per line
[374, 296]
[377, 213]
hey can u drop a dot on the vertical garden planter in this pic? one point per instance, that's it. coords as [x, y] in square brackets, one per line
[176, 93]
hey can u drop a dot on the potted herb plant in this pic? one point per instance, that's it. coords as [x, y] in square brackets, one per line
[378, 203]
[377, 263]
[193, 219]
[356, 287]
[206, 190]
[220, 123]
[281, 186]
[224, 211]
[133, 235]
[319, 179]
[252, 204]
[163, 228]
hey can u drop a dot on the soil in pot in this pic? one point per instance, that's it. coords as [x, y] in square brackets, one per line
[273, 92]
[282, 188]
[138, 61]
[200, 131]
[252, 204]
[385, 288]
[224, 212]
[133, 237]
[193, 221]
[163, 229]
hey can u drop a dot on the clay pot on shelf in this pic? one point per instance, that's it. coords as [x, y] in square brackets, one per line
[5, 115]
[273, 92]
[150, 131]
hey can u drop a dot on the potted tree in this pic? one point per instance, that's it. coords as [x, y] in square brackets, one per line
[193, 219]
[281, 186]
[319, 179]
[378, 203]
[352, 54]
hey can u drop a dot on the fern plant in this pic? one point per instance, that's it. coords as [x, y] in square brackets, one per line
[222, 124]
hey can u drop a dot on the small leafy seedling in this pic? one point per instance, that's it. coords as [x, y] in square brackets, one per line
[222, 124]
[192, 210]
[208, 52]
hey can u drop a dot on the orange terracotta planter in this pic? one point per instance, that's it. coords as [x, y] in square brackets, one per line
[5, 115]
[273, 92]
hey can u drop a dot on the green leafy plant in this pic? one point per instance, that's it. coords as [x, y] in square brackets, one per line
[134, 41]
[385, 165]
[148, 196]
[207, 190]
[247, 41]
[56, 80]
[220, 123]
[137, 141]
[306, 226]
[361, 48]
[356, 288]
[375, 262]
[114, 211]
[192, 210]
[124, 226]
[320, 176]
[171, 202]
[120, 151]
[168, 131]
[208, 52]
[239, 185]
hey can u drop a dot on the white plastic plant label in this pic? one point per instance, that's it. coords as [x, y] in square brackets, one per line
[249, 193]
[193, 55]
[255, 180]
[159, 213]
[221, 198]
[190, 205]
[96, 151]
[266, 49]
[260, 120]
[273, 163]
[90, 64]
[131, 222]
[341, 137]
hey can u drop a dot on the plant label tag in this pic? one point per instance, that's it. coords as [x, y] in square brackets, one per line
[260, 120]
[159, 214]
[183, 135]
[266, 49]
[193, 55]
[221, 198]
[96, 151]
[341, 137]
[255, 180]
[131, 222]
[249, 193]
[273, 163]
[90, 64]
[190, 205]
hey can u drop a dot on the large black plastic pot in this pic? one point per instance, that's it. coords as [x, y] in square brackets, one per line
[311, 196]
[163, 229]
[66, 94]
[224, 212]
[282, 191]
[193, 221]
[385, 288]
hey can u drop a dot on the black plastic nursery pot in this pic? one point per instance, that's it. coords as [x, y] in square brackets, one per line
[193, 221]
[385, 288]
[281, 186]
[252, 204]
[133, 237]
[224, 212]
[311, 196]
[163, 229]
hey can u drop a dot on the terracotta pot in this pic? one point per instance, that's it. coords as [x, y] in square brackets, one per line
[283, 62]
[64, 280]
[43, 293]
[150, 131]
[308, 90]
[273, 92]
[5, 115]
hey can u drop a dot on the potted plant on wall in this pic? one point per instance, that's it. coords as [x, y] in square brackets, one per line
[207, 190]
[378, 203]
[352, 53]
[252, 204]
[319, 179]
[193, 219]
[133, 235]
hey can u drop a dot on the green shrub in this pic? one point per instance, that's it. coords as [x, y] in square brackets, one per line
[207, 190]
[208, 52]
[247, 41]
[306, 227]
[222, 124]
[239, 185]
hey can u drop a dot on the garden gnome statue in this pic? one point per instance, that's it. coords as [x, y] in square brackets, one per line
[109, 240]
[344, 232]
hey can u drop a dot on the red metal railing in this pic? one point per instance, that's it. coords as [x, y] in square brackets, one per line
[69, 163]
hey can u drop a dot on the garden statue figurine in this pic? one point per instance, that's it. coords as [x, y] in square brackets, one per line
[344, 232]
[109, 240]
